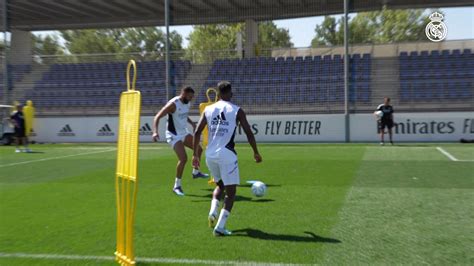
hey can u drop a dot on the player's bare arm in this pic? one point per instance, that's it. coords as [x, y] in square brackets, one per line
[242, 119]
[197, 138]
[167, 109]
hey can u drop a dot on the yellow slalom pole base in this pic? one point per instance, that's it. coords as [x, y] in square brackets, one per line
[124, 260]
[211, 182]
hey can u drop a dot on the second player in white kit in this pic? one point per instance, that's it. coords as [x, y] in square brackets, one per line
[221, 119]
[177, 133]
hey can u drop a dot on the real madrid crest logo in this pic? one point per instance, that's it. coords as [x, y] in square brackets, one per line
[436, 30]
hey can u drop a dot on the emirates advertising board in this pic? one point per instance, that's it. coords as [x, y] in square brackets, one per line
[409, 127]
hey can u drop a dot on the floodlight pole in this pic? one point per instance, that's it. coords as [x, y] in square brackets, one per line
[167, 48]
[346, 70]
[5, 52]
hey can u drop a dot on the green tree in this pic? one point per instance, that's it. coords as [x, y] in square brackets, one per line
[146, 42]
[377, 27]
[270, 36]
[207, 42]
[92, 41]
[47, 45]
[328, 33]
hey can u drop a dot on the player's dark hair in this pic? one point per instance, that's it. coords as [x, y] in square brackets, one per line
[387, 98]
[224, 87]
[187, 90]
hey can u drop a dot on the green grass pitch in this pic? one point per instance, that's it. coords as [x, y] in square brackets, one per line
[333, 204]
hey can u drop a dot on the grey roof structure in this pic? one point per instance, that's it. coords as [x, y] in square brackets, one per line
[75, 14]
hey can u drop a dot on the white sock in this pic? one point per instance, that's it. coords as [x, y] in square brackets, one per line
[222, 219]
[177, 182]
[214, 207]
[195, 171]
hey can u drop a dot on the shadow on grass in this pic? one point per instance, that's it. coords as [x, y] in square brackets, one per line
[208, 197]
[258, 234]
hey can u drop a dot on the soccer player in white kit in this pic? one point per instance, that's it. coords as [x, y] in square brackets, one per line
[222, 119]
[177, 134]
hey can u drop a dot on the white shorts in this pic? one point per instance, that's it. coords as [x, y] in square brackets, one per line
[228, 172]
[172, 139]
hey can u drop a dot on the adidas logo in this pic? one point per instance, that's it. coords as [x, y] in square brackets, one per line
[105, 131]
[220, 120]
[145, 130]
[66, 131]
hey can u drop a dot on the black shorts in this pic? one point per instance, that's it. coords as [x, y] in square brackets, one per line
[20, 132]
[385, 124]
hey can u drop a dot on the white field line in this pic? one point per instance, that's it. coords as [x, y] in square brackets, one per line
[153, 148]
[54, 158]
[78, 148]
[73, 155]
[449, 155]
[152, 260]
[98, 148]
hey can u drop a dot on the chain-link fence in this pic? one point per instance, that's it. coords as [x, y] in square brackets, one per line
[277, 81]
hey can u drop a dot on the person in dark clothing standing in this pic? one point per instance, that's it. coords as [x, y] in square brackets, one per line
[386, 121]
[17, 118]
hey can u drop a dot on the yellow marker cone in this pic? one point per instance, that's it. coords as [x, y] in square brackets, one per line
[127, 164]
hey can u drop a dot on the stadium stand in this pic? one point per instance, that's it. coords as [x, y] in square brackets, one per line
[18, 72]
[100, 84]
[436, 75]
[417, 80]
[292, 80]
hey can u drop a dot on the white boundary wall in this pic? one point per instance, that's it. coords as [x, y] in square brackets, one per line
[417, 127]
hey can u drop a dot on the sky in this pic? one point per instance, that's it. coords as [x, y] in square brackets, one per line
[460, 23]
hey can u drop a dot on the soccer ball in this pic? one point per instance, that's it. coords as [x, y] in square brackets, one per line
[378, 114]
[259, 189]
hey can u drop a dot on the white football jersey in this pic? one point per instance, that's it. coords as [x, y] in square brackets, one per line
[178, 121]
[222, 123]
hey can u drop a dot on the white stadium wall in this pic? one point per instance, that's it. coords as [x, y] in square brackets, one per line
[418, 127]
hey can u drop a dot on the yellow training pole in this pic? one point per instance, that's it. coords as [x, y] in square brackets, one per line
[127, 164]
[29, 112]
[203, 106]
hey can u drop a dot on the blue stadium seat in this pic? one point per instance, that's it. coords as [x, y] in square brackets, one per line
[456, 53]
[436, 77]
[100, 81]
